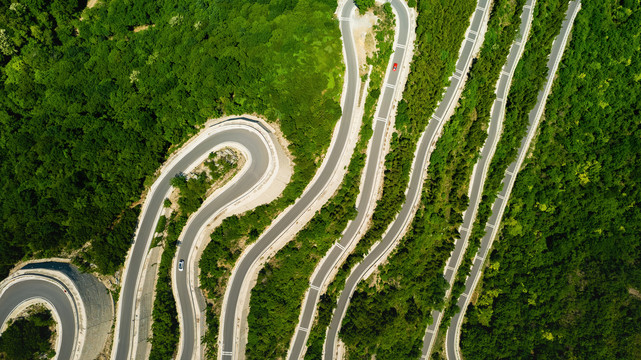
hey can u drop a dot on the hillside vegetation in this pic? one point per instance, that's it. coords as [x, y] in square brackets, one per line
[564, 278]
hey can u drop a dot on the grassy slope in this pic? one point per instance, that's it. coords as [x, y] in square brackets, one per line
[276, 298]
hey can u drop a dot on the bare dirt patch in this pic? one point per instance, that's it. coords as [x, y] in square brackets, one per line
[225, 154]
[91, 3]
[363, 30]
[142, 27]
[237, 159]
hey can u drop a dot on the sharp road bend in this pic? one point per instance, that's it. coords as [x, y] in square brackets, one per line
[234, 133]
[471, 44]
[452, 340]
[480, 169]
[371, 177]
[56, 298]
[80, 305]
[189, 298]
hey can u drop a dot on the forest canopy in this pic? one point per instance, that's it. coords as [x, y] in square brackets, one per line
[89, 107]
[29, 337]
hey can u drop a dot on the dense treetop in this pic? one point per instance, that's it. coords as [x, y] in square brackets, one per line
[29, 337]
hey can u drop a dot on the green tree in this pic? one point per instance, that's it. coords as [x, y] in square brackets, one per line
[364, 5]
[28, 338]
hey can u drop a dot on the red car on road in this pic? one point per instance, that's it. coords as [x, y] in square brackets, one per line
[395, 66]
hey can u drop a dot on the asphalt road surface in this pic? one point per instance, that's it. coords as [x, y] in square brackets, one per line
[368, 192]
[127, 303]
[61, 301]
[416, 178]
[453, 333]
[481, 167]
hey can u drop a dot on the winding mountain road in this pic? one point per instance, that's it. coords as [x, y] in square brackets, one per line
[473, 38]
[239, 132]
[371, 177]
[81, 306]
[260, 156]
[44, 290]
[258, 144]
[190, 300]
